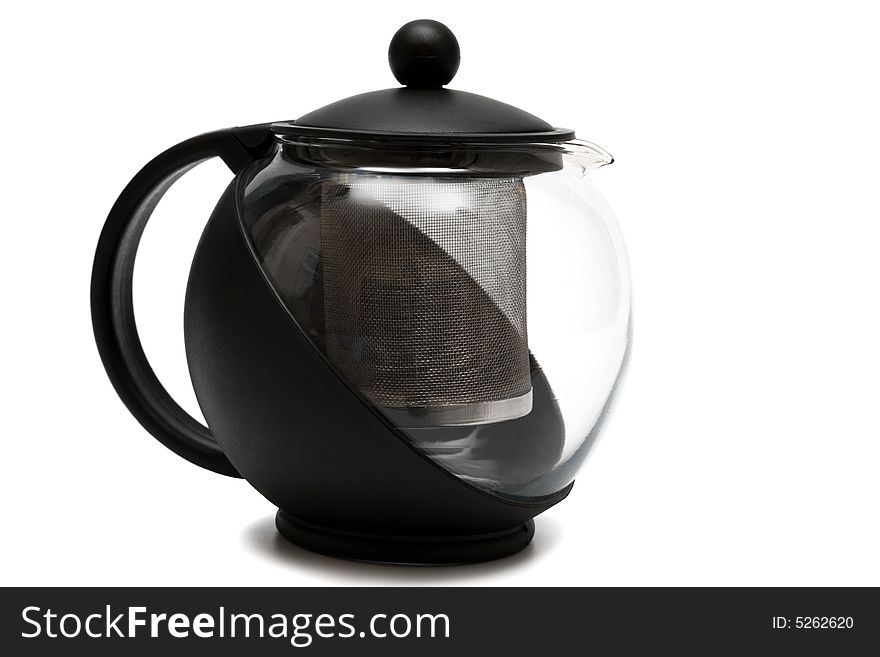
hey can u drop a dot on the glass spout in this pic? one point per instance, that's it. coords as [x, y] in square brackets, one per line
[586, 155]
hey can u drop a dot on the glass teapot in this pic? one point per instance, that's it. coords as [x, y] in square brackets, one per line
[404, 321]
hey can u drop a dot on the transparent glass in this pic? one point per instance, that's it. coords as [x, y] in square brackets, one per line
[477, 295]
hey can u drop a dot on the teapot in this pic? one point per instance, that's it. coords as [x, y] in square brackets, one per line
[405, 319]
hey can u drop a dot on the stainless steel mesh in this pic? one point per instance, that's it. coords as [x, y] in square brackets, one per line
[425, 294]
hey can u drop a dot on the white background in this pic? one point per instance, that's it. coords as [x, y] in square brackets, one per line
[745, 446]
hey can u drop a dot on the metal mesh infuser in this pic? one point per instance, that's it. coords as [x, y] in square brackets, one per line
[425, 295]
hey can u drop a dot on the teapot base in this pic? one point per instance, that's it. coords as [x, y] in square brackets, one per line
[404, 550]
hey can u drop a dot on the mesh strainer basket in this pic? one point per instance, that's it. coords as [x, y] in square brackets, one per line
[425, 295]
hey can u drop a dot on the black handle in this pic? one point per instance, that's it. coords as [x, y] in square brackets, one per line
[112, 309]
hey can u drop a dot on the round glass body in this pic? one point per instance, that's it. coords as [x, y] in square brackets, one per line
[477, 295]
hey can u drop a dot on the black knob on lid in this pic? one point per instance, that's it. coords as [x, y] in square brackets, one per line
[424, 53]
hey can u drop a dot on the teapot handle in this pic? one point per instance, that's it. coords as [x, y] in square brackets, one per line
[111, 290]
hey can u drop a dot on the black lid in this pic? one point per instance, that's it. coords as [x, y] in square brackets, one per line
[424, 55]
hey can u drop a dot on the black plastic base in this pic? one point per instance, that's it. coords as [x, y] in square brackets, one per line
[434, 550]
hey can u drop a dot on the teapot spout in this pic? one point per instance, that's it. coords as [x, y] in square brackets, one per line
[586, 155]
